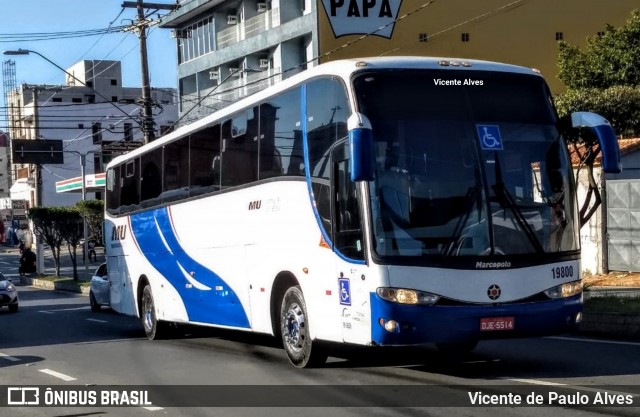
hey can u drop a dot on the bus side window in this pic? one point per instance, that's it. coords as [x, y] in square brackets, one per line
[151, 178]
[130, 185]
[240, 148]
[175, 181]
[204, 149]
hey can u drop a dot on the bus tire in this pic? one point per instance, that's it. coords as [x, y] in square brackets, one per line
[154, 328]
[457, 348]
[294, 330]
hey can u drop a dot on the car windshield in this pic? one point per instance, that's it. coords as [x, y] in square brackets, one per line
[466, 170]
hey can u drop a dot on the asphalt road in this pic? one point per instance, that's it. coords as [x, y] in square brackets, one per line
[55, 340]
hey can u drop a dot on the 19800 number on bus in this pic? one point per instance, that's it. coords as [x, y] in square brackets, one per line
[562, 272]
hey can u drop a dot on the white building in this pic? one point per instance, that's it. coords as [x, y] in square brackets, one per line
[100, 119]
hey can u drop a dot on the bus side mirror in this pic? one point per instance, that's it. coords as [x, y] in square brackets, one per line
[361, 145]
[603, 131]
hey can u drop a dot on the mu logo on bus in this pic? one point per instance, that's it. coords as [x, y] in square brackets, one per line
[255, 205]
[119, 232]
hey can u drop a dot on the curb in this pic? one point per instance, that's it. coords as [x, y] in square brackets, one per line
[611, 291]
[59, 286]
[611, 324]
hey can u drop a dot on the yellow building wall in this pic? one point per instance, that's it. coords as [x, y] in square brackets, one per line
[515, 32]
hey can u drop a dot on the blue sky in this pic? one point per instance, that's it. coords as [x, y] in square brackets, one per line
[29, 16]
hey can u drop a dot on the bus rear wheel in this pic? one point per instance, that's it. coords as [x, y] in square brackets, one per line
[154, 328]
[294, 329]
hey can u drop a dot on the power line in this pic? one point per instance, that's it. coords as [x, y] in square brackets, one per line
[47, 36]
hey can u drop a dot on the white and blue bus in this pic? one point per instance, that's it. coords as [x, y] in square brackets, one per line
[383, 201]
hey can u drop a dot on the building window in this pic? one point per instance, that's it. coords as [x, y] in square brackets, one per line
[91, 98]
[80, 125]
[76, 100]
[114, 82]
[114, 99]
[57, 99]
[559, 36]
[96, 132]
[89, 84]
[465, 37]
[422, 37]
[196, 40]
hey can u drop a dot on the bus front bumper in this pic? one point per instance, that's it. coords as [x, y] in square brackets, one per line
[419, 324]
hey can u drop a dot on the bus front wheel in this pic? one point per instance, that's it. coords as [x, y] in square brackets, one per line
[294, 329]
[154, 328]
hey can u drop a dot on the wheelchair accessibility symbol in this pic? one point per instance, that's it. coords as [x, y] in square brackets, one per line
[490, 139]
[345, 291]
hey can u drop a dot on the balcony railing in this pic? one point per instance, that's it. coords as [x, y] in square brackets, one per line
[250, 27]
[228, 93]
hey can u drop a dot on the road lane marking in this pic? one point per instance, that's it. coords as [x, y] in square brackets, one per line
[98, 321]
[64, 309]
[580, 339]
[58, 375]
[9, 358]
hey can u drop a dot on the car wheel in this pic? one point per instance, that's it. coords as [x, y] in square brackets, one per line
[154, 328]
[13, 308]
[294, 329]
[95, 307]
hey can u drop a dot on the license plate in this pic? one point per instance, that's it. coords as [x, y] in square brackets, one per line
[491, 324]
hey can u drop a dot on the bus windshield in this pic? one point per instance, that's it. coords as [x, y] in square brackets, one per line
[468, 163]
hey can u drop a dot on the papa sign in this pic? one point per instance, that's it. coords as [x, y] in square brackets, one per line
[359, 17]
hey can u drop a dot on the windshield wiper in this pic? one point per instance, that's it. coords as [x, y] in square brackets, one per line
[500, 190]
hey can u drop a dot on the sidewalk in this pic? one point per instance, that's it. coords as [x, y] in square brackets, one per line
[66, 266]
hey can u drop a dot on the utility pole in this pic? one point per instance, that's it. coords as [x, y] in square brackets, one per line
[140, 26]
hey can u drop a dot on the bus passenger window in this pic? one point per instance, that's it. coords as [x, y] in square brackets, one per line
[204, 149]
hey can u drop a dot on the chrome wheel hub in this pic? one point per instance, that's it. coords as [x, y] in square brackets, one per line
[293, 327]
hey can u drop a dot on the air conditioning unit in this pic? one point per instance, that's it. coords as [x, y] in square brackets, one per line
[264, 63]
[262, 7]
[214, 75]
[232, 19]
[235, 72]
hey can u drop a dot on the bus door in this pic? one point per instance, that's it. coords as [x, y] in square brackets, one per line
[121, 293]
[348, 245]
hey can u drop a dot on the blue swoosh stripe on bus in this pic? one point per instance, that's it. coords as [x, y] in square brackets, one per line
[163, 250]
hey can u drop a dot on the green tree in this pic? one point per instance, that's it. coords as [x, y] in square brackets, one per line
[71, 229]
[603, 78]
[93, 212]
[58, 225]
[45, 224]
[606, 61]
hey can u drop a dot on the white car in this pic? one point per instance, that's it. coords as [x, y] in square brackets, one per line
[8, 294]
[99, 293]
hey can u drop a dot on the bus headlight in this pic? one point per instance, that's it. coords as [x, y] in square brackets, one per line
[406, 296]
[565, 290]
